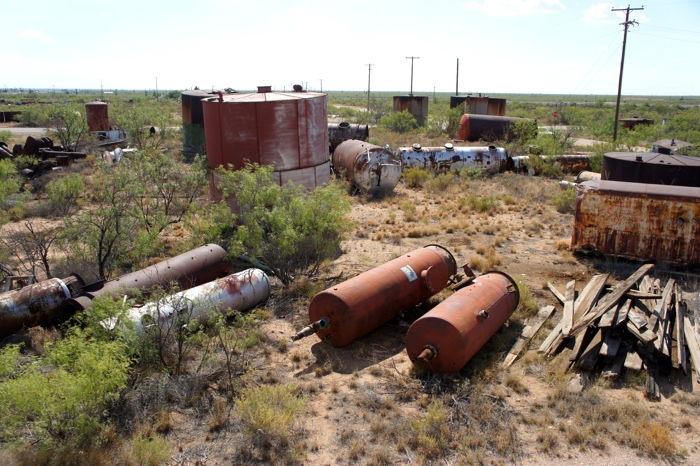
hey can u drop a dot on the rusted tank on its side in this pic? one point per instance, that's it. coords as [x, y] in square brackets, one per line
[239, 291]
[587, 176]
[451, 333]
[33, 144]
[345, 312]
[651, 168]
[569, 163]
[448, 157]
[344, 131]
[371, 168]
[35, 304]
[200, 265]
[638, 221]
[487, 127]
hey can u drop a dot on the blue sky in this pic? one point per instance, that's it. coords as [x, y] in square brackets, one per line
[503, 46]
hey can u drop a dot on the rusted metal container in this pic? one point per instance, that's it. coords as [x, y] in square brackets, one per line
[200, 265]
[97, 114]
[451, 333]
[630, 123]
[35, 304]
[286, 129]
[446, 158]
[416, 105]
[345, 312]
[569, 163]
[487, 127]
[651, 168]
[638, 221]
[337, 133]
[33, 144]
[587, 176]
[239, 291]
[370, 168]
[193, 122]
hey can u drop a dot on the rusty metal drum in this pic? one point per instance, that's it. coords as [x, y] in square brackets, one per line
[370, 168]
[487, 127]
[451, 333]
[345, 312]
[97, 115]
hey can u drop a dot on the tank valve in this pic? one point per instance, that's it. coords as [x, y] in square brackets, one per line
[428, 353]
[310, 329]
[482, 315]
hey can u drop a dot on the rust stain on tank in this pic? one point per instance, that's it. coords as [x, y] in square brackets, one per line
[638, 221]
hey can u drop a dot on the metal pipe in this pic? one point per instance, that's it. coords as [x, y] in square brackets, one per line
[35, 304]
[363, 303]
[450, 334]
[240, 291]
[200, 265]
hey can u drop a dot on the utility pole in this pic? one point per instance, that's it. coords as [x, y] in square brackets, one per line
[457, 82]
[412, 58]
[369, 80]
[156, 87]
[622, 61]
[321, 85]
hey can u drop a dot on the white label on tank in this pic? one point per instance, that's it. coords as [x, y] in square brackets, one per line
[410, 274]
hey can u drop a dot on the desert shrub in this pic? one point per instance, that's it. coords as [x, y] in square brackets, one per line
[528, 303]
[565, 201]
[268, 412]
[5, 136]
[25, 161]
[415, 177]
[473, 173]
[440, 182]
[64, 193]
[150, 449]
[483, 204]
[400, 122]
[286, 227]
[430, 432]
[62, 396]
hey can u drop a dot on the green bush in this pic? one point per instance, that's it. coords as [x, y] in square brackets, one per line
[270, 410]
[5, 136]
[565, 201]
[415, 177]
[286, 227]
[440, 182]
[473, 173]
[483, 204]
[400, 122]
[62, 396]
[64, 193]
[25, 161]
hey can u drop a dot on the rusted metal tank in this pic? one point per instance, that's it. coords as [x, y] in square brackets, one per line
[286, 129]
[651, 168]
[200, 265]
[638, 221]
[451, 333]
[345, 312]
[487, 127]
[97, 115]
[35, 304]
[416, 105]
[193, 122]
[239, 291]
[370, 168]
[448, 157]
[337, 133]
[587, 176]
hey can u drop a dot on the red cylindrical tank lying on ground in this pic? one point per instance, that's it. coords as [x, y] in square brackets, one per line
[357, 306]
[451, 333]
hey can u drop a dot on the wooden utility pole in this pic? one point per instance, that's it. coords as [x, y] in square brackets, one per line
[622, 61]
[412, 58]
[369, 78]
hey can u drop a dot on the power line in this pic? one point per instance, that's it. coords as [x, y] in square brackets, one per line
[622, 60]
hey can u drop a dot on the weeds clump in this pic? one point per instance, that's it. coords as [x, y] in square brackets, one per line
[483, 204]
[565, 201]
[441, 182]
[415, 177]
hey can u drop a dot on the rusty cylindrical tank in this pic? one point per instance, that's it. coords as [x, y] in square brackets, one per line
[345, 312]
[487, 127]
[451, 333]
[35, 304]
[239, 291]
[371, 168]
[587, 176]
[448, 157]
[337, 133]
[97, 115]
[200, 265]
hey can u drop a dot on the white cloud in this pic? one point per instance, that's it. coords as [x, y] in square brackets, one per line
[501, 8]
[37, 35]
[602, 14]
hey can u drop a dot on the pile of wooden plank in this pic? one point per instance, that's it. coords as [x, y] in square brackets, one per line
[636, 324]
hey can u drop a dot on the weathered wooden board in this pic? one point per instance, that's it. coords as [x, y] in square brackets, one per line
[693, 346]
[528, 332]
[613, 370]
[610, 346]
[610, 300]
[589, 357]
[638, 317]
[645, 336]
[557, 294]
[633, 361]
[568, 314]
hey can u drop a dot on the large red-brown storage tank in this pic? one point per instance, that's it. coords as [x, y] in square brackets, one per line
[286, 129]
[97, 114]
[451, 333]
